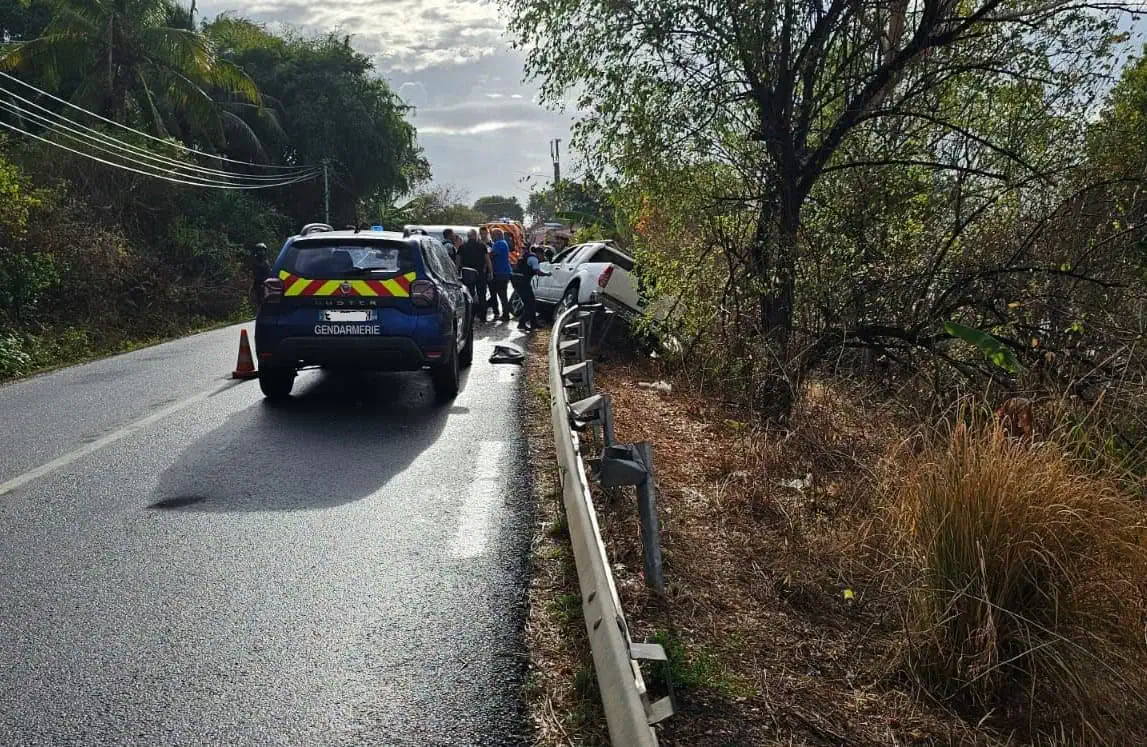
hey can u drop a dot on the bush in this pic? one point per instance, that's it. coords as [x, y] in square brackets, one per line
[14, 361]
[1026, 582]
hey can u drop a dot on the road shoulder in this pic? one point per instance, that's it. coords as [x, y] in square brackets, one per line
[560, 692]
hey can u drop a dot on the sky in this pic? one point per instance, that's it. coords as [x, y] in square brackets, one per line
[480, 126]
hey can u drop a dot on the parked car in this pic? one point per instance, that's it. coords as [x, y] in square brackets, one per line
[374, 300]
[589, 273]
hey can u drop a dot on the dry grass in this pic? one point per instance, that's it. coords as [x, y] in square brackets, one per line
[758, 566]
[560, 694]
[842, 583]
[785, 618]
[1025, 573]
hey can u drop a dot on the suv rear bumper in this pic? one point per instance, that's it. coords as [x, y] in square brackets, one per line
[375, 353]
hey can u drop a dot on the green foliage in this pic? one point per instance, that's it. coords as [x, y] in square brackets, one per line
[878, 166]
[24, 277]
[585, 202]
[96, 260]
[441, 206]
[22, 19]
[995, 351]
[326, 102]
[124, 59]
[14, 361]
[496, 207]
[697, 669]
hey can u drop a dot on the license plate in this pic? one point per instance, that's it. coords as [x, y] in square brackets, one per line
[366, 315]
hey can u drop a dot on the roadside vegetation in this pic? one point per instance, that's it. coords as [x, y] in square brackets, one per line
[95, 259]
[896, 263]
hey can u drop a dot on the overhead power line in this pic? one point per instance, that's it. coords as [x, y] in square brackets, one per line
[117, 148]
[143, 152]
[178, 146]
[169, 176]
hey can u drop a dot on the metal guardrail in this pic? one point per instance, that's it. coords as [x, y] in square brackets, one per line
[629, 713]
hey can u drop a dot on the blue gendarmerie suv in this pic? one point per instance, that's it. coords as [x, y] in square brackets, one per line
[369, 299]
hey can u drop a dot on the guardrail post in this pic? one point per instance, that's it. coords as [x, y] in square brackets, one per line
[650, 528]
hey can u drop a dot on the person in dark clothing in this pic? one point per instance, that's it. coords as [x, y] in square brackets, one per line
[260, 271]
[476, 257]
[527, 267]
[452, 242]
[492, 301]
[503, 270]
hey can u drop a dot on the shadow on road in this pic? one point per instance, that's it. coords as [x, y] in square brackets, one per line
[340, 438]
[501, 332]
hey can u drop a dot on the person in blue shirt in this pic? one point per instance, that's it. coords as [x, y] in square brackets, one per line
[500, 259]
[527, 267]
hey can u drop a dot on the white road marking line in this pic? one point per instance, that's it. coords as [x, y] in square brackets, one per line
[99, 443]
[481, 501]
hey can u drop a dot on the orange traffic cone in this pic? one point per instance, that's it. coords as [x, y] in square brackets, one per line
[245, 369]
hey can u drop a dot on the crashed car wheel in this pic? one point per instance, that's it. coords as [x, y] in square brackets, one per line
[569, 300]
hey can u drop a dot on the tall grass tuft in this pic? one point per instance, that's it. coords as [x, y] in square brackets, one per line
[1027, 576]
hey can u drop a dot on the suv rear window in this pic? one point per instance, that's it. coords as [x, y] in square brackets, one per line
[340, 258]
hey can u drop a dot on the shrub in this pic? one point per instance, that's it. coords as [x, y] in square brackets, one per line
[1026, 581]
[14, 361]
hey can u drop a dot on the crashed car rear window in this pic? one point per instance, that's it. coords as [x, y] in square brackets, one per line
[348, 259]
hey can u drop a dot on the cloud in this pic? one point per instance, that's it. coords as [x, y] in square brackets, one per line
[414, 93]
[479, 125]
[477, 129]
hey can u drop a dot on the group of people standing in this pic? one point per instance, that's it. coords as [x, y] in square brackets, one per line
[487, 253]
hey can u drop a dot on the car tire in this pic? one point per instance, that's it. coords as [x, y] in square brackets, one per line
[569, 300]
[445, 376]
[466, 357]
[276, 383]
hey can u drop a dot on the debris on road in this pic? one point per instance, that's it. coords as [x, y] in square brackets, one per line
[508, 354]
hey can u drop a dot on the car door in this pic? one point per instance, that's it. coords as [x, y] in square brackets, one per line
[453, 287]
[561, 270]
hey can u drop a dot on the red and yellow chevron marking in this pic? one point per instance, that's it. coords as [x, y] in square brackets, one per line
[396, 287]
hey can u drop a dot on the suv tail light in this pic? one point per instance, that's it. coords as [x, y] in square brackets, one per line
[423, 294]
[603, 279]
[272, 289]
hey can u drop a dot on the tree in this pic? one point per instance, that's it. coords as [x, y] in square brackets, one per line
[325, 103]
[21, 20]
[783, 91]
[584, 202]
[126, 60]
[542, 205]
[495, 207]
[441, 205]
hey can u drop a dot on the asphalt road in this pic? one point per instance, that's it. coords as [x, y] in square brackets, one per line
[182, 563]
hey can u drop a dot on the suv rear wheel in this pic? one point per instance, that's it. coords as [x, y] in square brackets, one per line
[276, 383]
[445, 375]
[467, 355]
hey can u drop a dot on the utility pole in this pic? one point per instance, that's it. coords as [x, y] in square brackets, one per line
[326, 191]
[555, 154]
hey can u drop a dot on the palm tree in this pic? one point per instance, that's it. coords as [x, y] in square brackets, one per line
[140, 63]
